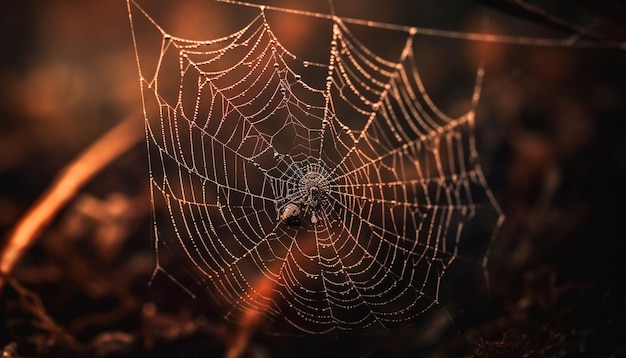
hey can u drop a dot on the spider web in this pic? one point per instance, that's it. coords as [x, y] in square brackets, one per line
[324, 195]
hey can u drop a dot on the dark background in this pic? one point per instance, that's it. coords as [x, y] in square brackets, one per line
[551, 137]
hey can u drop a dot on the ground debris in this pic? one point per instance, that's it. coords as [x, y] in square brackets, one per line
[33, 331]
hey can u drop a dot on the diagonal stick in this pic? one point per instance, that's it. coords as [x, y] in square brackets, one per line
[68, 182]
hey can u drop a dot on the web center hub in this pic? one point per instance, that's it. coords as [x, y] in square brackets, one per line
[303, 193]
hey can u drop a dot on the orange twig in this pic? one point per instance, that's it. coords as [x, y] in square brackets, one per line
[70, 179]
[251, 320]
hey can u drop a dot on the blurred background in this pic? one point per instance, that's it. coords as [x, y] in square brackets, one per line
[551, 128]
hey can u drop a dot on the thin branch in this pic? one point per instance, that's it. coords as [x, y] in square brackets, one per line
[70, 179]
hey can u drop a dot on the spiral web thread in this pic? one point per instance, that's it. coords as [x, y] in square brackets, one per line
[324, 205]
